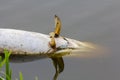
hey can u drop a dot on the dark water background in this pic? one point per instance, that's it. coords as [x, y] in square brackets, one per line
[96, 21]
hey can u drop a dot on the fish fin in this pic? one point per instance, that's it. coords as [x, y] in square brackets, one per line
[57, 26]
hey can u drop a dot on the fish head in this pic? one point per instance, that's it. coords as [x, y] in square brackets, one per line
[66, 46]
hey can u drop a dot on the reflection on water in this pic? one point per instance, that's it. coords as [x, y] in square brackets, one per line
[59, 66]
[58, 63]
[87, 50]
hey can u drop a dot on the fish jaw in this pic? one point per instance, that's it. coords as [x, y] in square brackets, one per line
[75, 46]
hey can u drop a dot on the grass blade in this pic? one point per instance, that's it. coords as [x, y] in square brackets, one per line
[8, 71]
[20, 75]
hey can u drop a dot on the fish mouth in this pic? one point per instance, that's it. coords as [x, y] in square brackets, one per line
[74, 46]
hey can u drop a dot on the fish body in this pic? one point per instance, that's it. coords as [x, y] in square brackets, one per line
[31, 45]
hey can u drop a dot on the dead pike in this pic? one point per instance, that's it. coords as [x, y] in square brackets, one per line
[26, 45]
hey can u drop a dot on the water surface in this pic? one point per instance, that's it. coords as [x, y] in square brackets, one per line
[95, 21]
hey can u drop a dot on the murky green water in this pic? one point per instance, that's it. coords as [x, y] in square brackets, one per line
[95, 21]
